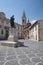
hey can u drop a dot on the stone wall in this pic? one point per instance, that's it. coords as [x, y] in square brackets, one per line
[40, 30]
[33, 32]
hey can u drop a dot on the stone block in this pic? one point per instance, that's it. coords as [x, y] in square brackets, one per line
[13, 35]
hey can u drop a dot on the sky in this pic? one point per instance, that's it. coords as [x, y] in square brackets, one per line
[33, 9]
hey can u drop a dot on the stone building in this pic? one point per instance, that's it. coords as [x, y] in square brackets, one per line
[36, 31]
[4, 26]
[19, 29]
[26, 30]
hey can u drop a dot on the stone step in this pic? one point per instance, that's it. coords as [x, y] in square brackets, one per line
[12, 44]
[8, 43]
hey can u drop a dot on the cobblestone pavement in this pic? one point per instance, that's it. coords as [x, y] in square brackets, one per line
[30, 54]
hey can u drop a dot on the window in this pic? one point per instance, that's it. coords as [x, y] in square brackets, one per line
[2, 31]
[23, 20]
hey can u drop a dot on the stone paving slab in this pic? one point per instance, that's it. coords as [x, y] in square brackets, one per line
[30, 54]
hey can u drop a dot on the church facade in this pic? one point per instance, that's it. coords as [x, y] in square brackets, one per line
[25, 26]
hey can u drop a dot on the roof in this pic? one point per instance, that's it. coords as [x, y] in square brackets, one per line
[2, 13]
[27, 25]
[33, 24]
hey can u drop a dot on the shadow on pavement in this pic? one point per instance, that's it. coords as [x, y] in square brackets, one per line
[20, 44]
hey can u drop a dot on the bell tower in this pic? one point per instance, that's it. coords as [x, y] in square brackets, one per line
[23, 19]
[23, 23]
